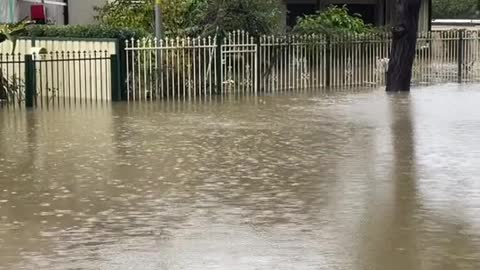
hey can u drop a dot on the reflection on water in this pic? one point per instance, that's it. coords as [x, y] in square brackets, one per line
[325, 181]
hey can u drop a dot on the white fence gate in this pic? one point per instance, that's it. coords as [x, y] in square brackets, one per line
[239, 63]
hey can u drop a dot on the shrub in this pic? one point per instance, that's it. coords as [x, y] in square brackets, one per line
[122, 13]
[195, 17]
[257, 17]
[84, 31]
[334, 20]
[448, 9]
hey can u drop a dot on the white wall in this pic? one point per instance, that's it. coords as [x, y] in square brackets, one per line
[81, 11]
[6, 8]
[55, 14]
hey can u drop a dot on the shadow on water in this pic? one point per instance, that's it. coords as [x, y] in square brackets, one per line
[390, 231]
[400, 246]
[407, 234]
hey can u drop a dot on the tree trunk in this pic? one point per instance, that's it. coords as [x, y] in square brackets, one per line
[404, 42]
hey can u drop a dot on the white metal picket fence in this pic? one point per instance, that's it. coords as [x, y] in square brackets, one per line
[171, 68]
[189, 68]
[239, 63]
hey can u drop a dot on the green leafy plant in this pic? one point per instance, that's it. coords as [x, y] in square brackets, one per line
[13, 31]
[332, 21]
[257, 17]
[177, 15]
[11, 88]
[195, 17]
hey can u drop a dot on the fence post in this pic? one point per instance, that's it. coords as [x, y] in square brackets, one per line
[115, 85]
[258, 74]
[121, 68]
[460, 54]
[328, 63]
[219, 63]
[30, 83]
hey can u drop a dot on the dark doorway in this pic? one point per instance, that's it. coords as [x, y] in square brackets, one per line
[367, 11]
[298, 10]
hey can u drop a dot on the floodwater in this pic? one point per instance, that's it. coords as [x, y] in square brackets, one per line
[362, 181]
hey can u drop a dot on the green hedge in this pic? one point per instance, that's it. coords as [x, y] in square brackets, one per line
[84, 31]
[459, 9]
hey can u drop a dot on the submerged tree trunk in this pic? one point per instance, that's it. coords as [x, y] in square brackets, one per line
[404, 42]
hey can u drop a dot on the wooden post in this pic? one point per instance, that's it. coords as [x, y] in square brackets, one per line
[404, 43]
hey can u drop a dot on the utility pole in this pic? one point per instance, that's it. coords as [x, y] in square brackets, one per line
[158, 20]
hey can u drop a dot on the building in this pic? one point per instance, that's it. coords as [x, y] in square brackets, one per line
[375, 12]
[54, 11]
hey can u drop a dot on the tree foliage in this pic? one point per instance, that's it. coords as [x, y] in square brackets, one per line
[9, 87]
[13, 31]
[195, 17]
[256, 17]
[123, 13]
[333, 20]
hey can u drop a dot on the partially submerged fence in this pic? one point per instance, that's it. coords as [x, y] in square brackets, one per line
[58, 77]
[190, 68]
[71, 70]
[238, 63]
[171, 68]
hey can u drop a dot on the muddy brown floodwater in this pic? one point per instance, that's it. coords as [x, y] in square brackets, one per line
[351, 180]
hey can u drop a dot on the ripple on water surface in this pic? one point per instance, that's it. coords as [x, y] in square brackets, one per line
[314, 181]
